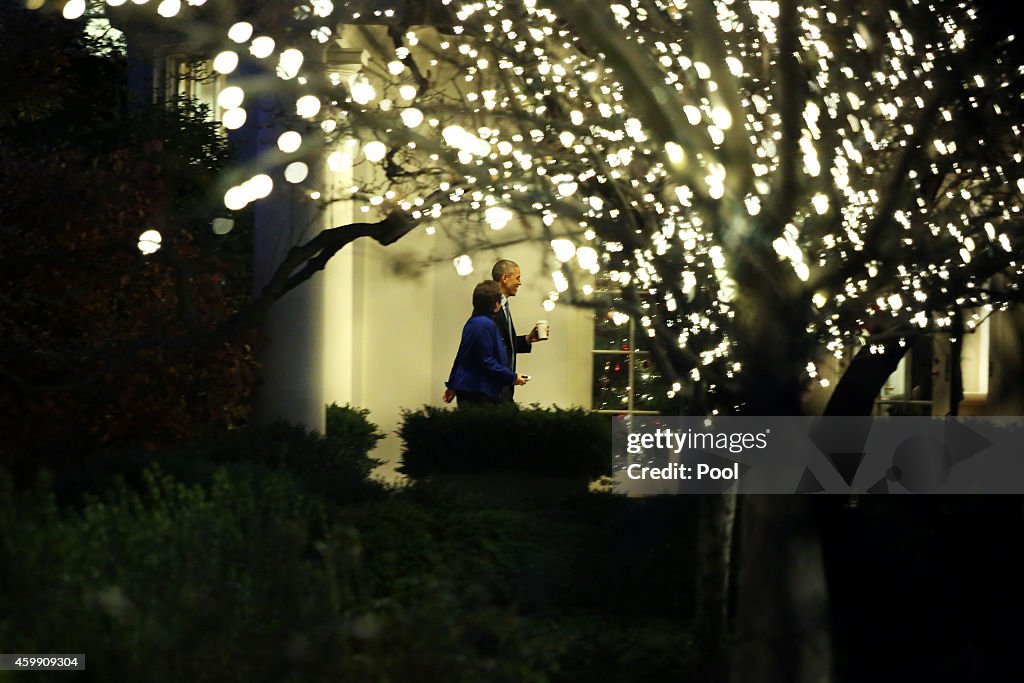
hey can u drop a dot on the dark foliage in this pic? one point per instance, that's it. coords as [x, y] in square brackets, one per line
[85, 167]
[548, 441]
[335, 466]
[352, 426]
[261, 572]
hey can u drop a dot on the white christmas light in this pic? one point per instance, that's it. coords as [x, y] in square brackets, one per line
[296, 172]
[362, 91]
[230, 97]
[234, 119]
[412, 117]
[375, 151]
[169, 8]
[149, 241]
[225, 62]
[73, 9]
[240, 32]
[463, 265]
[564, 249]
[498, 217]
[258, 187]
[289, 141]
[289, 63]
[236, 199]
[262, 47]
[307, 106]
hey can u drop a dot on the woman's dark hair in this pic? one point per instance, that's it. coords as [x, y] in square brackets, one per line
[485, 295]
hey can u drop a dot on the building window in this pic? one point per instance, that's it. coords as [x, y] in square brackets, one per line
[922, 382]
[189, 78]
[626, 381]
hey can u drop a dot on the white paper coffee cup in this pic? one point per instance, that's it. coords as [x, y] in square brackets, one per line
[543, 329]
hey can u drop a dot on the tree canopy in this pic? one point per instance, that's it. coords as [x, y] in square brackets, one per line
[762, 182]
[86, 170]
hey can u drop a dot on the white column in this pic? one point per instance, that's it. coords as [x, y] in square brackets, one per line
[345, 275]
[291, 360]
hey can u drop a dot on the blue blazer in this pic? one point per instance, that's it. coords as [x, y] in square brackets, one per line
[480, 364]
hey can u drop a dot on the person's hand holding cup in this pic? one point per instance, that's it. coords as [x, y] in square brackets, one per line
[540, 331]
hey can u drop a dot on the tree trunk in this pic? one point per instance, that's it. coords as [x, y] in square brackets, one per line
[782, 618]
[857, 389]
[782, 600]
[716, 522]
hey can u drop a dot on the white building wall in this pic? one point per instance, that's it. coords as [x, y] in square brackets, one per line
[393, 332]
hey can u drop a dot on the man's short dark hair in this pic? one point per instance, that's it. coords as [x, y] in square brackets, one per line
[485, 295]
[502, 267]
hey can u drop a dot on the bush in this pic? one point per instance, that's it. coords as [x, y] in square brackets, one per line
[246, 578]
[352, 426]
[337, 467]
[550, 441]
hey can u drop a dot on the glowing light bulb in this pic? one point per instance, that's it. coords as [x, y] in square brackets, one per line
[721, 117]
[587, 257]
[258, 187]
[73, 9]
[262, 47]
[412, 117]
[289, 141]
[497, 217]
[296, 172]
[234, 118]
[561, 283]
[222, 225]
[149, 241]
[362, 91]
[289, 63]
[231, 97]
[240, 32]
[236, 198]
[463, 265]
[820, 203]
[169, 8]
[675, 153]
[374, 151]
[564, 249]
[225, 62]
[307, 106]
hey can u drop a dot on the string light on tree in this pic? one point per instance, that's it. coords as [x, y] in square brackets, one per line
[691, 176]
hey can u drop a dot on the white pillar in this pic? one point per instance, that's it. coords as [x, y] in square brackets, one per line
[291, 359]
[345, 274]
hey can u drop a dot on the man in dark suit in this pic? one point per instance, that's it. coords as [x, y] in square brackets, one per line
[509, 278]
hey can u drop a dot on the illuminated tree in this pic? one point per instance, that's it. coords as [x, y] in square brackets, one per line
[764, 182]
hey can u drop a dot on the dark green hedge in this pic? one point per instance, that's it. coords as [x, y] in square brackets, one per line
[352, 426]
[336, 465]
[549, 441]
[246, 578]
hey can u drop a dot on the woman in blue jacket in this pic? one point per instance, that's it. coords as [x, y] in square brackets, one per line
[481, 367]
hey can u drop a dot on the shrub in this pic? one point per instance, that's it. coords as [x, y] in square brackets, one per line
[352, 426]
[550, 441]
[337, 467]
[246, 578]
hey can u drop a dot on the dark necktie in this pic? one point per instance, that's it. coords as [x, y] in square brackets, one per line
[511, 337]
